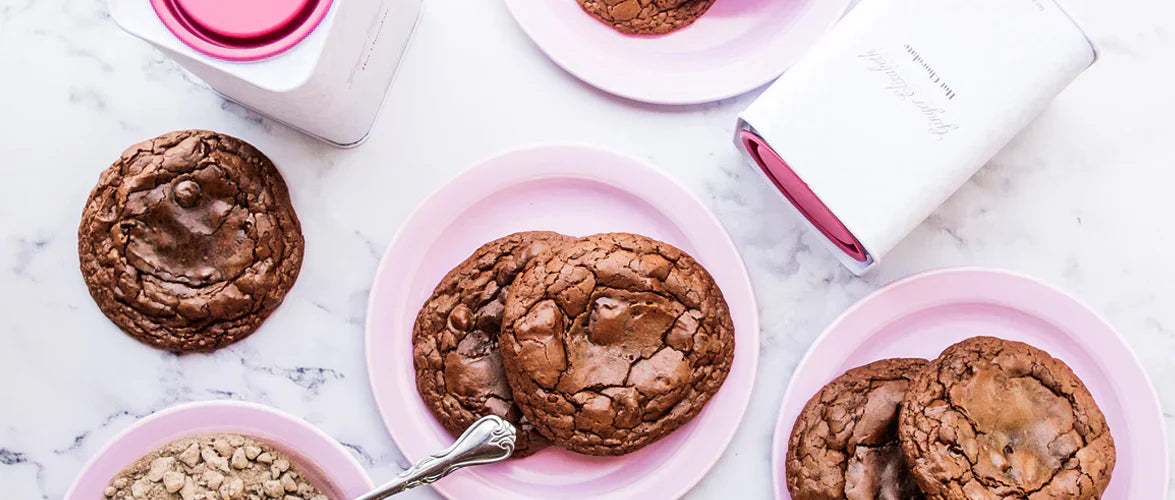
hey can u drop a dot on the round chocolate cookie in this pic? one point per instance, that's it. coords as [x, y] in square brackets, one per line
[845, 443]
[189, 241]
[646, 17]
[613, 341]
[455, 340]
[992, 418]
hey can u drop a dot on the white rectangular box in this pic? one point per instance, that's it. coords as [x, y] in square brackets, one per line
[330, 85]
[900, 104]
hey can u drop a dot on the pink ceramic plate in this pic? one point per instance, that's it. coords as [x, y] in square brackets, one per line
[292, 435]
[922, 315]
[575, 191]
[736, 46]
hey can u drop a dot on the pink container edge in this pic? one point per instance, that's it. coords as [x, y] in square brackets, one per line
[171, 14]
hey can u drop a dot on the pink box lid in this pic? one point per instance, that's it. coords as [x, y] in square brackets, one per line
[241, 31]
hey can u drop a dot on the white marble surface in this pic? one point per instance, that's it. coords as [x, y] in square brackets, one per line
[1080, 199]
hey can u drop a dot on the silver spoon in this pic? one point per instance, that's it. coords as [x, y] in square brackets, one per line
[488, 440]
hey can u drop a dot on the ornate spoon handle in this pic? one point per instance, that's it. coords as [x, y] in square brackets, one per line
[488, 440]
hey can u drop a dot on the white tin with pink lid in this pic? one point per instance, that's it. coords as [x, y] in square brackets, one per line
[897, 106]
[321, 66]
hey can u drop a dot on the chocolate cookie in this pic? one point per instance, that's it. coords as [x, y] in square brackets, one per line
[992, 418]
[646, 17]
[613, 341]
[845, 443]
[189, 241]
[455, 340]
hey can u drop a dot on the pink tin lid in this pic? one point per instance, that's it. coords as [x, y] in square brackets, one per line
[238, 30]
[800, 195]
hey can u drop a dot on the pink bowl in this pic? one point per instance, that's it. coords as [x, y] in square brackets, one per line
[921, 315]
[736, 46]
[577, 191]
[309, 446]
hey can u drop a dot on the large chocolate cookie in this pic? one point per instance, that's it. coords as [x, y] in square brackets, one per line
[614, 341]
[997, 419]
[189, 241]
[646, 17]
[455, 340]
[845, 442]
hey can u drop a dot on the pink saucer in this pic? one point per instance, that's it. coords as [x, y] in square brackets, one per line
[337, 467]
[737, 46]
[922, 315]
[576, 191]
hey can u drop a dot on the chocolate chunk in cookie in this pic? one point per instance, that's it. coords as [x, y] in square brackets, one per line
[845, 443]
[455, 340]
[189, 241]
[992, 418]
[646, 17]
[614, 341]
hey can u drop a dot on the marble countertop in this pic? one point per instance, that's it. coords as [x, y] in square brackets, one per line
[1080, 199]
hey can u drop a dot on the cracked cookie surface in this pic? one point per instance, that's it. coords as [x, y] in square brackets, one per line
[613, 341]
[992, 418]
[455, 339]
[844, 443]
[646, 17]
[189, 241]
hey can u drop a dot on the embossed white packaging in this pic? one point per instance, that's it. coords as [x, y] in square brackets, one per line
[900, 104]
[320, 66]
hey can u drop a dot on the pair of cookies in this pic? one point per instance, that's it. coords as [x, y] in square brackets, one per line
[601, 345]
[988, 418]
[189, 241]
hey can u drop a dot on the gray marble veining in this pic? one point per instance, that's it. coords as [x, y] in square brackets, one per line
[1080, 199]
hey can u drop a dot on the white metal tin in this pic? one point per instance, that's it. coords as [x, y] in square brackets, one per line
[331, 85]
[904, 100]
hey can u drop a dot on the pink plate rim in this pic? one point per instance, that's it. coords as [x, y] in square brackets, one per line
[630, 175]
[1149, 409]
[707, 83]
[340, 467]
